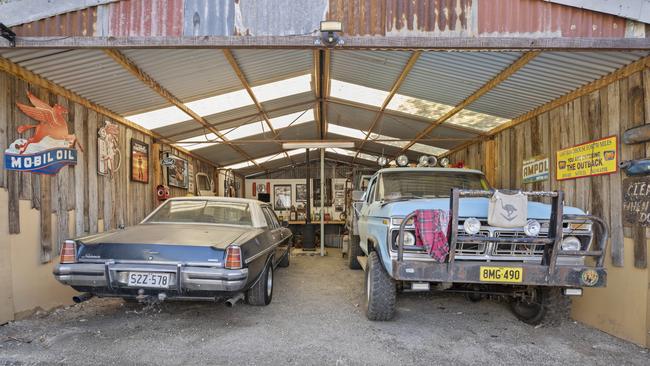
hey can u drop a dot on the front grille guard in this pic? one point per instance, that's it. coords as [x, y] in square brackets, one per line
[551, 243]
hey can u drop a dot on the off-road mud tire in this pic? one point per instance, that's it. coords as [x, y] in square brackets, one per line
[380, 295]
[353, 252]
[552, 308]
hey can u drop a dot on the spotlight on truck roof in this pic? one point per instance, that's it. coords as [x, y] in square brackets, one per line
[444, 162]
[402, 160]
[382, 161]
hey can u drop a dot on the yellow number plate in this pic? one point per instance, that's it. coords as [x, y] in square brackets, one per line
[502, 274]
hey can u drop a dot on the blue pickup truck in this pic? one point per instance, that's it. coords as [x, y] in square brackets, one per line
[534, 267]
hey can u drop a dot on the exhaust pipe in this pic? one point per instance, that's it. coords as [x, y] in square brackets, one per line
[82, 297]
[233, 300]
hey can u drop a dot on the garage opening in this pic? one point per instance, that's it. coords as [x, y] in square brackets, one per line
[259, 113]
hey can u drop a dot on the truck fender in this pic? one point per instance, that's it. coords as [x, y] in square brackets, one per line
[382, 252]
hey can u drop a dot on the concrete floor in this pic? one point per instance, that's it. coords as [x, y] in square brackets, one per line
[314, 319]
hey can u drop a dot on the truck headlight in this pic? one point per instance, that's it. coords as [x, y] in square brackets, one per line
[532, 228]
[571, 243]
[402, 160]
[472, 226]
[409, 238]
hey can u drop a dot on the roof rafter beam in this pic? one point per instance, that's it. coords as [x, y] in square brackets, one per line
[393, 90]
[326, 85]
[616, 75]
[491, 84]
[242, 78]
[145, 78]
[316, 86]
[32, 78]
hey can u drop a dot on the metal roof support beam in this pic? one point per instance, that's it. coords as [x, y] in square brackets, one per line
[242, 78]
[326, 83]
[351, 42]
[500, 77]
[316, 87]
[32, 78]
[130, 66]
[393, 90]
[619, 74]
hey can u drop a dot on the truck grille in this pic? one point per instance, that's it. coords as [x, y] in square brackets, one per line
[473, 248]
[517, 249]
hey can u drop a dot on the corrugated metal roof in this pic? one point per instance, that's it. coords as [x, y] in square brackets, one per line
[547, 77]
[374, 69]
[264, 66]
[210, 73]
[207, 17]
[95, 76]
[451, 77]
[79, 23]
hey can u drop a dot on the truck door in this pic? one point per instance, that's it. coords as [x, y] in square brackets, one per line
[364, 215]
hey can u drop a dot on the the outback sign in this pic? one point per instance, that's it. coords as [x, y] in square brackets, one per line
[588, 159]
[50, 148]
[636, 201]
[536, 169]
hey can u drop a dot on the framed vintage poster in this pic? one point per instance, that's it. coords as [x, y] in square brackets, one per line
[301, 193]
[108, 151]
[177, 173]
[282, 197]
[589, 159]
[139, 161]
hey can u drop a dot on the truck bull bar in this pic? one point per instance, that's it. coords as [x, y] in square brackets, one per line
[545, 273]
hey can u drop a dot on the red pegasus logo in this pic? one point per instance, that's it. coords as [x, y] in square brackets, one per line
[52, 122]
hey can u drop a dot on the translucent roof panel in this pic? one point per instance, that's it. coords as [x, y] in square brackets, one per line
[220, 103]
[282, 88]
[476, 120]
[418, 107]
[351, 153]
[357, 93]
[385, 140]
[159, 117]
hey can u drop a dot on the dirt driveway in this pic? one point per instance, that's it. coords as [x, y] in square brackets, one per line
[314, 319]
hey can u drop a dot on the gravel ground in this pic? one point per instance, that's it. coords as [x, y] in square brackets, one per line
[314, 319]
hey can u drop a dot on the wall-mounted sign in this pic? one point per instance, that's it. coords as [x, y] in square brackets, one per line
[536, 169]
[108, 149]
[177, 174]
[592, 158]
[190, 178]
[167, 161]
[50, 147]
[636, 201]
[139, 161]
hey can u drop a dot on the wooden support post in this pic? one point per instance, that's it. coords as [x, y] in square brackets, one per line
[46, 219]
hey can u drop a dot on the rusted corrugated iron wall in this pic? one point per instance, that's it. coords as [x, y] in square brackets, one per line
[544, 19]
[402, 17]
[432, 18]
[76, 23]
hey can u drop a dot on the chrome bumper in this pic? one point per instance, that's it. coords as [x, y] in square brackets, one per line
[184, 278]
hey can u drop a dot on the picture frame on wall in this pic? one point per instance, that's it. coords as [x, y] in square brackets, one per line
[282, 197]
[139, 161]
[178, 173]
[301, 193]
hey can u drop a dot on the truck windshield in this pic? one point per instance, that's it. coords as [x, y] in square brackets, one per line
[203, 212]
[426, 184]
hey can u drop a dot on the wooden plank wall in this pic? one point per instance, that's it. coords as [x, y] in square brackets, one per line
[114, 200]
[608, 111]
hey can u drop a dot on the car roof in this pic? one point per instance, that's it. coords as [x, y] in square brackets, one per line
[431, 169]
[220, 199]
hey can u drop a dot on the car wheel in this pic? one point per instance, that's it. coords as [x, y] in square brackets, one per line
[380, 291]
[262, 292]
[285, 260]
[546, 306]
[353, 252]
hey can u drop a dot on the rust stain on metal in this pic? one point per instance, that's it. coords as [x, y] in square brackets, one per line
[76, 23]
[541, 18]
[144, 18]
[402, 17]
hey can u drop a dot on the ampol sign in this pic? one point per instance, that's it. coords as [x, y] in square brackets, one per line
[50, 148]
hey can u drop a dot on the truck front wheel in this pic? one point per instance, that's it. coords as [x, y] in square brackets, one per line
[353, 252]
[380, 295]
[545, 305]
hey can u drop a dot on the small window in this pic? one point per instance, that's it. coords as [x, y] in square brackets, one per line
[271, 220]
[370, 196]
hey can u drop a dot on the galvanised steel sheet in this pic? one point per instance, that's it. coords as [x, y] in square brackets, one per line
[187, 74]
[373, 69]
[264, 66]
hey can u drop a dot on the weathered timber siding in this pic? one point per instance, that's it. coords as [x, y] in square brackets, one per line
[97, 200]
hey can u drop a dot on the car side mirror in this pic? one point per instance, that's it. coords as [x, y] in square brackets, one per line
[284, 223]
[358, 195]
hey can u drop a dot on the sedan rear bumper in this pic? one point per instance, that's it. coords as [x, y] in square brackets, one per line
[112, 278]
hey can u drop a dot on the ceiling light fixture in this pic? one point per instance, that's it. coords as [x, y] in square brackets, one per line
[317, 145]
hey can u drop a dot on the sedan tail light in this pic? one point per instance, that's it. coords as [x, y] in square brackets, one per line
[233, 257]
[68, 252]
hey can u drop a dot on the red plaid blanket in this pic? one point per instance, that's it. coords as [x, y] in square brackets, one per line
[431, 230]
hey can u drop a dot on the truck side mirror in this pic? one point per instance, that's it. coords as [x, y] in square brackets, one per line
[357, 195]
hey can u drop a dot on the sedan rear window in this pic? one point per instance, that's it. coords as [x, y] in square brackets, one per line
[204, 212]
